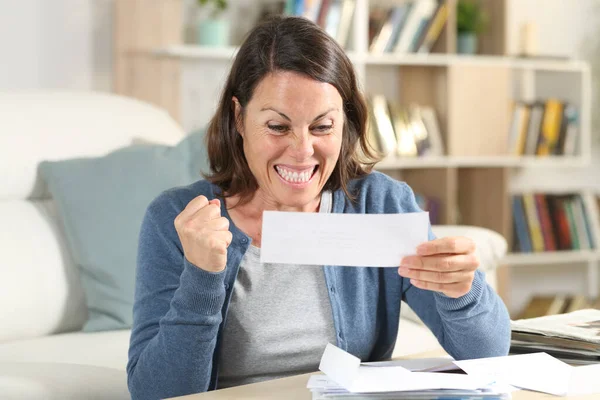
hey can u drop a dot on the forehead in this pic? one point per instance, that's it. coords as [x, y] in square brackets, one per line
[286, 86]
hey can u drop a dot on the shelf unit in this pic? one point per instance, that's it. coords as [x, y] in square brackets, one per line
[473, 180]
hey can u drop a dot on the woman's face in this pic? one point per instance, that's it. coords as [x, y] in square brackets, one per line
[292, 133]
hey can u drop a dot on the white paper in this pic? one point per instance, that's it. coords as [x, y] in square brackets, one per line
[435, 364]
[345, 369]
[537, 371]
[377, 240]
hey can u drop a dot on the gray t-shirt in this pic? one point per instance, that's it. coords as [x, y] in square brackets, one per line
[279, 320]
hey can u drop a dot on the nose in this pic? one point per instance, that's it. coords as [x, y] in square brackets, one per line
[302, 146]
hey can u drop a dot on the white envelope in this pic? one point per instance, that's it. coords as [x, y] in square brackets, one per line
[347, 371]
[377, 240]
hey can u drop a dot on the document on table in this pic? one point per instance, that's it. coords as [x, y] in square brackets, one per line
[348, 372]
[354, 240]
[537, 371]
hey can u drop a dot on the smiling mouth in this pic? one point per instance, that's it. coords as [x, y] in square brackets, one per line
[294, 176]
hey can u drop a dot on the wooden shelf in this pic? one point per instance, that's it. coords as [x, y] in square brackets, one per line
[195, 52]
[442, 60]
[192, 52]
[391, 163]
[551, 257]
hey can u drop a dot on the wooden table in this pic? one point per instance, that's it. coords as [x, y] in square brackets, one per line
[294, 388]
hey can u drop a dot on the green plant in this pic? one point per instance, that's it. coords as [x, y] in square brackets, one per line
[218, 5]
[470, 17]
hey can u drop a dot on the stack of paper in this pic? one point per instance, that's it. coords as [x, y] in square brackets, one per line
[573, 337]
[496, 377]
[347, 377]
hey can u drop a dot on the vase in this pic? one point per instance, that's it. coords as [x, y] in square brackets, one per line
[466, 43]
[213, 32]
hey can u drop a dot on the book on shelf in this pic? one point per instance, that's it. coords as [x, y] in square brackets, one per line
[413, 26]
[543, 128]
[541, 305]
[550, 222]
[403, 131]
[573, 337]
[334, 16]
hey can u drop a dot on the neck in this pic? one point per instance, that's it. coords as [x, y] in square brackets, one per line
[259, 203]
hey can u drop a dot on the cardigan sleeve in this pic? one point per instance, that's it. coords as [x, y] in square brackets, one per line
[176, 312]
[474, 325]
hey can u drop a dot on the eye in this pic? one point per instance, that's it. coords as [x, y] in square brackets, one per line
[323, 128]
[278, 128]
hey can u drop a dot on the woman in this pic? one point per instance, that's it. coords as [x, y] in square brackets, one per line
[288, 135]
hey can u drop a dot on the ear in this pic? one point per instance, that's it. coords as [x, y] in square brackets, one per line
[239, 120]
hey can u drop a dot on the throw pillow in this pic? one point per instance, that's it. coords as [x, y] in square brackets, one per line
[101, 202]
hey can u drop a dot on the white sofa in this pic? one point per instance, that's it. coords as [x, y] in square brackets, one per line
[43, 353]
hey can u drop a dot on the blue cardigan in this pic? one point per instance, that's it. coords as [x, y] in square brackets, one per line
[179, 309]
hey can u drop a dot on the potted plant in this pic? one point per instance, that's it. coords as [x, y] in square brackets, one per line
[471, 21]
[213, 27]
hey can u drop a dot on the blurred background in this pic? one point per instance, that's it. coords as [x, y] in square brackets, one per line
[486, 108]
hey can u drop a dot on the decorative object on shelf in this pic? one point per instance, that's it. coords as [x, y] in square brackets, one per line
[213, 30]
[471, 21]
[529, 39]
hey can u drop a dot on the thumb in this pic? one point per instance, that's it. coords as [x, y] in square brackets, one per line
[216, 202]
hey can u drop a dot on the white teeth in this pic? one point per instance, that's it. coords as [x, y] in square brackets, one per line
[293, 176]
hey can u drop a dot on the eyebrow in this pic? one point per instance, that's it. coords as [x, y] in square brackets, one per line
[289, 119]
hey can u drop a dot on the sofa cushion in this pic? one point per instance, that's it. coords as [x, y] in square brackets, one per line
[103, 349]
[101, 202]
[40, 292]
[60, 381]
[57, 124]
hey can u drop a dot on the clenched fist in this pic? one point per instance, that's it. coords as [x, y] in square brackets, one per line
[204, 234]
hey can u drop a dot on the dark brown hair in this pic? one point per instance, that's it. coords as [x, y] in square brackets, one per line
[292, 44]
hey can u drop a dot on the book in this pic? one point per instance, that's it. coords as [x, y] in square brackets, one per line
[544, 305]
[383, 122]
[434, 30]
[420, 13]
[551, 126]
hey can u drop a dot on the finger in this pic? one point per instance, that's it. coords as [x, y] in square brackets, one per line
[444, 263]
[216, 202]
[436, 276]
[225, 236]
[207, 213]
[192, 207]
[220, 240]
[449, 289]
[217, 224]
[453, 245]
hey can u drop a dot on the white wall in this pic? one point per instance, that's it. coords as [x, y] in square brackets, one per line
[561, 24]
[55, 44]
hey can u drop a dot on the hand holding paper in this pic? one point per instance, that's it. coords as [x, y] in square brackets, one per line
[445, 265]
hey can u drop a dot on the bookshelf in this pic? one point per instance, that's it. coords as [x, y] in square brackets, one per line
[473, 180]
